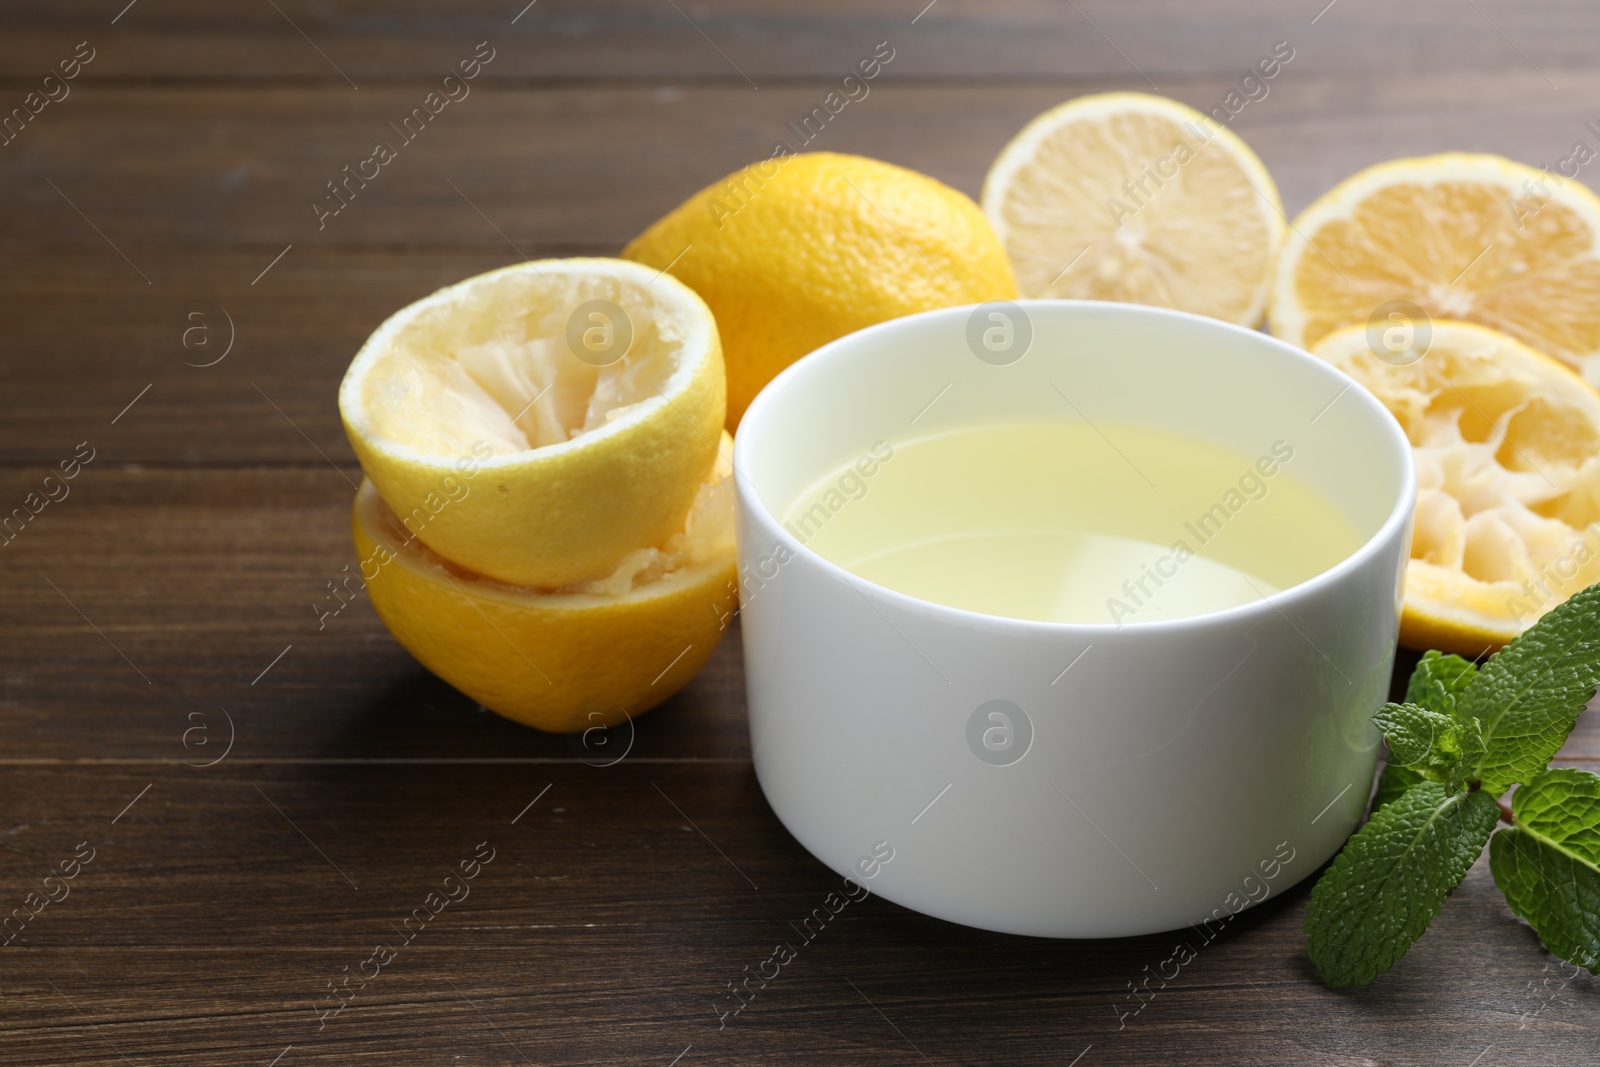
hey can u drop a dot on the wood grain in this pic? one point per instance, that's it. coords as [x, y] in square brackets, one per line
[201, 209]
[154, 594]
[948, 40]
[172, 590]
[590, 167]
[606, 927]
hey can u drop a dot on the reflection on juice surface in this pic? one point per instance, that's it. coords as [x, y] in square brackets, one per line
[1073, 522]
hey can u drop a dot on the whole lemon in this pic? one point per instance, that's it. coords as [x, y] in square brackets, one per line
[798, 250]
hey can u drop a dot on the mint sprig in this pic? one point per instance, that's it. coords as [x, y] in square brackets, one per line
[1391, 880]
[1530, 694]
[1548, 863]
[1436, 746]
[1462, 737]
[1393, 783]
[1438, 680]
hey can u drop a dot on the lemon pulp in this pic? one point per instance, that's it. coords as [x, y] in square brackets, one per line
[1072, 522]
[579, 401]
[1133, 197]
[1507, 447]
[1463, 237]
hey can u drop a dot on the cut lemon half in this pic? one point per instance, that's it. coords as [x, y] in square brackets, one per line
[1475, 238]
[1137, 198]
[537, 424]
[1507, 445]
[589, 655]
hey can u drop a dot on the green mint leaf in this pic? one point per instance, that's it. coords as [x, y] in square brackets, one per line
[1428, 742]
[1384, 889]
[1529, 695]
[1548, 863]
[1438, 680]
[1436, 685]
[1472, 749]
[1393, 782]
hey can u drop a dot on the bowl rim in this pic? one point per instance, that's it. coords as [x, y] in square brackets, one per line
[1318, 585]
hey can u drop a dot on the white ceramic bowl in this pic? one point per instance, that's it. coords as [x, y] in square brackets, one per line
[1140, 777]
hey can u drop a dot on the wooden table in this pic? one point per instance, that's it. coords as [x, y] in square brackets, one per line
[167, 606]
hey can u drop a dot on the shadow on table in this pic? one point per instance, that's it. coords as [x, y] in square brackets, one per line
[418, 716]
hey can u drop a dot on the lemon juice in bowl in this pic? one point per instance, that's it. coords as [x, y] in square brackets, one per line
[1064, 521]
[1139, 583]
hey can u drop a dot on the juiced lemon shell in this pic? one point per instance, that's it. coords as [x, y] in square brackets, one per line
[594, 655]
[1507, 445]
[572, 466]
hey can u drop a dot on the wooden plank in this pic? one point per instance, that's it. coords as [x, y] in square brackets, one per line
[562, 167]
[136, 584]
[190, 552]
[605, 929]
[949, 40]
[89, 337]
[88, 298]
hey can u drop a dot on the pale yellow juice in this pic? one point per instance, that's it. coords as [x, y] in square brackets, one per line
[1073, 522]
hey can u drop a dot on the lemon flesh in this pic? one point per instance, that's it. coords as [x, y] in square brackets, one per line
[1473, 238]
[800, 250]
[511, 455]
[1137, 198]
[1507, 447]
[593, 654]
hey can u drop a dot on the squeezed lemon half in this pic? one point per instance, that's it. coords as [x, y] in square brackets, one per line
[547, 518]
[579, 456]
[1507, 447]
[590, 655]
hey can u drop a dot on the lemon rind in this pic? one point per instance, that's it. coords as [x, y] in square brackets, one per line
[699, 339]
[416, 557]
